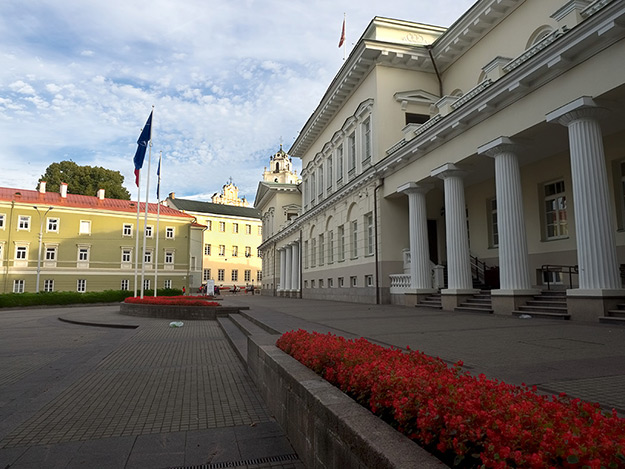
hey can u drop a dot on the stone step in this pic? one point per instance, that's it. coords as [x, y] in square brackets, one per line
[548, 304]
[247, 326]
[478, 301]
[543, 314]
[546, 309]
[431, 302]
[235, 336]
[616, 313]
[612, 320]
[471, 309]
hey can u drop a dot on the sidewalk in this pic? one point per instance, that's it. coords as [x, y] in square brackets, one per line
[147, 397]
[584, 360]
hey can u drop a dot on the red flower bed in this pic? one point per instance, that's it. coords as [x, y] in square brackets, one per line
[171, 301]
[472, 421]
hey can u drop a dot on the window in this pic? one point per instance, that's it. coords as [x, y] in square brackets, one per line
[330, 283]
[247, 275]
[305, 254]
[221, 274]
[170, 233]
[84, 227]
[313, 252]
[23, 223]
[321, 249]
[555, 211]
[354, 239]
[21, 253]
[248, 229]
[207, 274]
[146, 284]
[48, 285]
[235, 227]
[125, 286]
[148, 257]
[494, 227]
[235, 251]
[351, 155]
[235, 275]
[148, 231]
[18, 286]
[312, 284]
[366, 135]
[83, 254]
[209, 225]
[52, 225]
[341, 235]
[312, 188]
[50, 254]
[126, 255]
[127, 229]
[339, 164]
[222, 249]
[353, 281]
[193, 265]
[81, 285]
[320, 181]
[370, 239]
[207, 249]
[416, 118]
[222, 226]
[2, 220]
[320, 283]
[169, 257]
[330, 247]
[329, 177]
[369, 280]
[259, 276]
[167, 283]
[248, 251]
[341, 282]
[260, 231]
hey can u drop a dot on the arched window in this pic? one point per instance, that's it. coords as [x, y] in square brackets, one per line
[538, 35]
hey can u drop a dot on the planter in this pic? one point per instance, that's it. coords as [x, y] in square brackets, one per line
[177, 311]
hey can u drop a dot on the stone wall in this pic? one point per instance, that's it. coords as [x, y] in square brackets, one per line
[327, 428]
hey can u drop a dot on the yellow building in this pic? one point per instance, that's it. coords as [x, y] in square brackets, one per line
[68, 242]
[231, 239]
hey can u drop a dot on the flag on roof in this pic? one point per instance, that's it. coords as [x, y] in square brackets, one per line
[142, 142]
[342, 40]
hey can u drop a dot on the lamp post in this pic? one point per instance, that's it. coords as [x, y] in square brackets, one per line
[41, 219]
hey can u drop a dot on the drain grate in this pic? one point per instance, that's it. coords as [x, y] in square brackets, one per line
[247, 462]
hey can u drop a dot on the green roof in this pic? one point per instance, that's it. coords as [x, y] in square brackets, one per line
[187, 205]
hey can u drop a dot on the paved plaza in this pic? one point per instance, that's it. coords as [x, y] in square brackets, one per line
[148, 395]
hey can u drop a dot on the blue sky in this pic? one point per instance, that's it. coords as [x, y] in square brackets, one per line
[228, 80]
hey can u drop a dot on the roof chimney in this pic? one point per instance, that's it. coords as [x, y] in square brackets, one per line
[172, 195]
[42, 187]
[64, 190]
[101, 194]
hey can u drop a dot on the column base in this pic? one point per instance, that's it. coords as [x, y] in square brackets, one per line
[451, 298]
[506, 301]
[413, 296]
[590, 305]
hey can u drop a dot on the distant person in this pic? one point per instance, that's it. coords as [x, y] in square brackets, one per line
[183, 290]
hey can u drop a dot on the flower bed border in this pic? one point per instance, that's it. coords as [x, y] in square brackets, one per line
[178, 311]
[327, 428]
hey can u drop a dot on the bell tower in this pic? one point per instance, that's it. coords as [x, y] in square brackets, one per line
[280, 169]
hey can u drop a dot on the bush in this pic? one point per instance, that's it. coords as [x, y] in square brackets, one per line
[469, 421]
[9, 300]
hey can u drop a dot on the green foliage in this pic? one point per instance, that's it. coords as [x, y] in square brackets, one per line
[85, 180]
[12, 300]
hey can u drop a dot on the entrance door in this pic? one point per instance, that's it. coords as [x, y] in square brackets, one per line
[433, 241]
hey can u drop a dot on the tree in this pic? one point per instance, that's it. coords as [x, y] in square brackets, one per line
[85, 180]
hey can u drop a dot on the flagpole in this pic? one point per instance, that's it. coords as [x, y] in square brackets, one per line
[147, 198]
[137, 230]
[158, 219]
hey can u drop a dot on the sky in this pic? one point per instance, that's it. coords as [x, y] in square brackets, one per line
[229, 82]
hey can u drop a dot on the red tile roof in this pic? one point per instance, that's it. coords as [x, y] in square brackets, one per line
[83, 201]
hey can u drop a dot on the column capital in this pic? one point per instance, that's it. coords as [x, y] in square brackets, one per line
[413, 187]
[448, 170]
[500, 145]
[583, 107]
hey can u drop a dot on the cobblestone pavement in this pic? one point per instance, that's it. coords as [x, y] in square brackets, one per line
[585, 360]
[155, 396]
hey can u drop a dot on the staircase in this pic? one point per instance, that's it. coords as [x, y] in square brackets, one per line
[615, 316]
[480, 303]
[431, 301]
[550, 304]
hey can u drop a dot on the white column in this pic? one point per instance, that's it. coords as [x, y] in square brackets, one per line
[295, 267]
[282, 268]
[420, 271]
[596, 246]
[288, 265]
[457, 236]
[513, 258]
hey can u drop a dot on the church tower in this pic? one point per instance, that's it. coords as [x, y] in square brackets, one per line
[280, 169]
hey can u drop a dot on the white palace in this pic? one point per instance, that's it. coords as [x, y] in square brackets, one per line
[479, 167]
